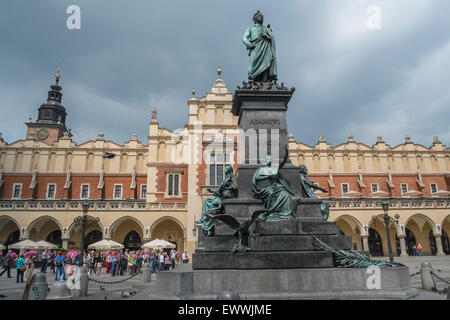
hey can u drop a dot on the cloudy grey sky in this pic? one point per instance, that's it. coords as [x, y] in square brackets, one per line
[130, 56]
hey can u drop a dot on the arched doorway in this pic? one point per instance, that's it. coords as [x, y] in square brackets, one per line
[170, 230]
[420, 226]
[351, 227]
[132, 241]
[410, 241]
[128, 231]
[9, 231]
[12, 238]
[55, 238]
[43, 227]
[92, 237]
[375, 243]
[93, 233]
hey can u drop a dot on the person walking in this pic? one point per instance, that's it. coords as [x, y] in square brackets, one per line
[419, 249]
[28, 261]
[59, 263]
[113, 265]
[51, 261]
[7, 264]
[92, 263]
[44, 261]
[20, 268]
[172, 258]
[99, 263]
[185, 257]
[161, 261]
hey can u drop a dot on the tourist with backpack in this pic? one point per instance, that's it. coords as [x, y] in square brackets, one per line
[59, 263]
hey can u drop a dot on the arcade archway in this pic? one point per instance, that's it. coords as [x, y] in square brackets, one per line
[170, 230]
[128, 231]
[9, 231]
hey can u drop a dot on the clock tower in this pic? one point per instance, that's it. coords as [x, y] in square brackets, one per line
[51, 122]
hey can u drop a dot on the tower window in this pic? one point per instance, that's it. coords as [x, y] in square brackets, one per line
[173, 185]
[374, 187]
[217, 168]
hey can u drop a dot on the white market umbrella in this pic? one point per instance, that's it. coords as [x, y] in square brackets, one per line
[2, 247]
[24, 244]
[158, 243]
[46, 245]
[105, 245]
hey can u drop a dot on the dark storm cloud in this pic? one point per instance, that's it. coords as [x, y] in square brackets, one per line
[131, 56]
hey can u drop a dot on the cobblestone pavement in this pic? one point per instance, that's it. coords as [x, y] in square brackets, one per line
[10, 290]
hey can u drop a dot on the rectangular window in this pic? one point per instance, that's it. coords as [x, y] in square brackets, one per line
[143, 191]
[170, 191]
[84, 191]
[51, 190]
[433, 188]
[219, 174]
[374, 187]
[173, 185]
[176, 185]
[404, 187]
[344, 188]
[17, 190]
[118, 191]
[212, 175]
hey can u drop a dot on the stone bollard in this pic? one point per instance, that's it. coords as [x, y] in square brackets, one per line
[425, 274]
[228, 295]
[146, 273]
[84, 282]
[60, 291]
[38, 287]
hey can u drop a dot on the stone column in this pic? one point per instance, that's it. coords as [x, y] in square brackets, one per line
[365, 239]
[65, 243]
[402, 238]
[440, 251]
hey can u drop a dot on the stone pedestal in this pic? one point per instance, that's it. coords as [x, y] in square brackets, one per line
[281, 284]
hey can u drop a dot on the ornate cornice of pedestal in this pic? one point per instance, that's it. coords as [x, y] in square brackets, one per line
[260, 91]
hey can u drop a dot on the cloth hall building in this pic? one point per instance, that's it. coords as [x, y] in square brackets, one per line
[143, 190]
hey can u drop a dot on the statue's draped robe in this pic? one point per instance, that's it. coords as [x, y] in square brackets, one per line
[309, 192]
[279, 200]
[214, 205]
[263, 56]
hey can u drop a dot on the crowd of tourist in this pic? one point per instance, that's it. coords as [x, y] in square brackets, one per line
[113, 262]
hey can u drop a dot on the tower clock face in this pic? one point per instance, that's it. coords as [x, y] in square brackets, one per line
[42, 134]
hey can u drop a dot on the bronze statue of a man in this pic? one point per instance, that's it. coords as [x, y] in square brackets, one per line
[260, 44]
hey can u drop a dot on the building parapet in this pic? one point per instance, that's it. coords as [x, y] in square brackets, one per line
[95, 205]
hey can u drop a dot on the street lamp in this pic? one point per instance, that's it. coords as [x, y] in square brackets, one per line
[385, 206]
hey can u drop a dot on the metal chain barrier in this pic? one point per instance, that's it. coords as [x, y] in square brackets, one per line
[414, 274]
[114, 282]
[439, 278]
